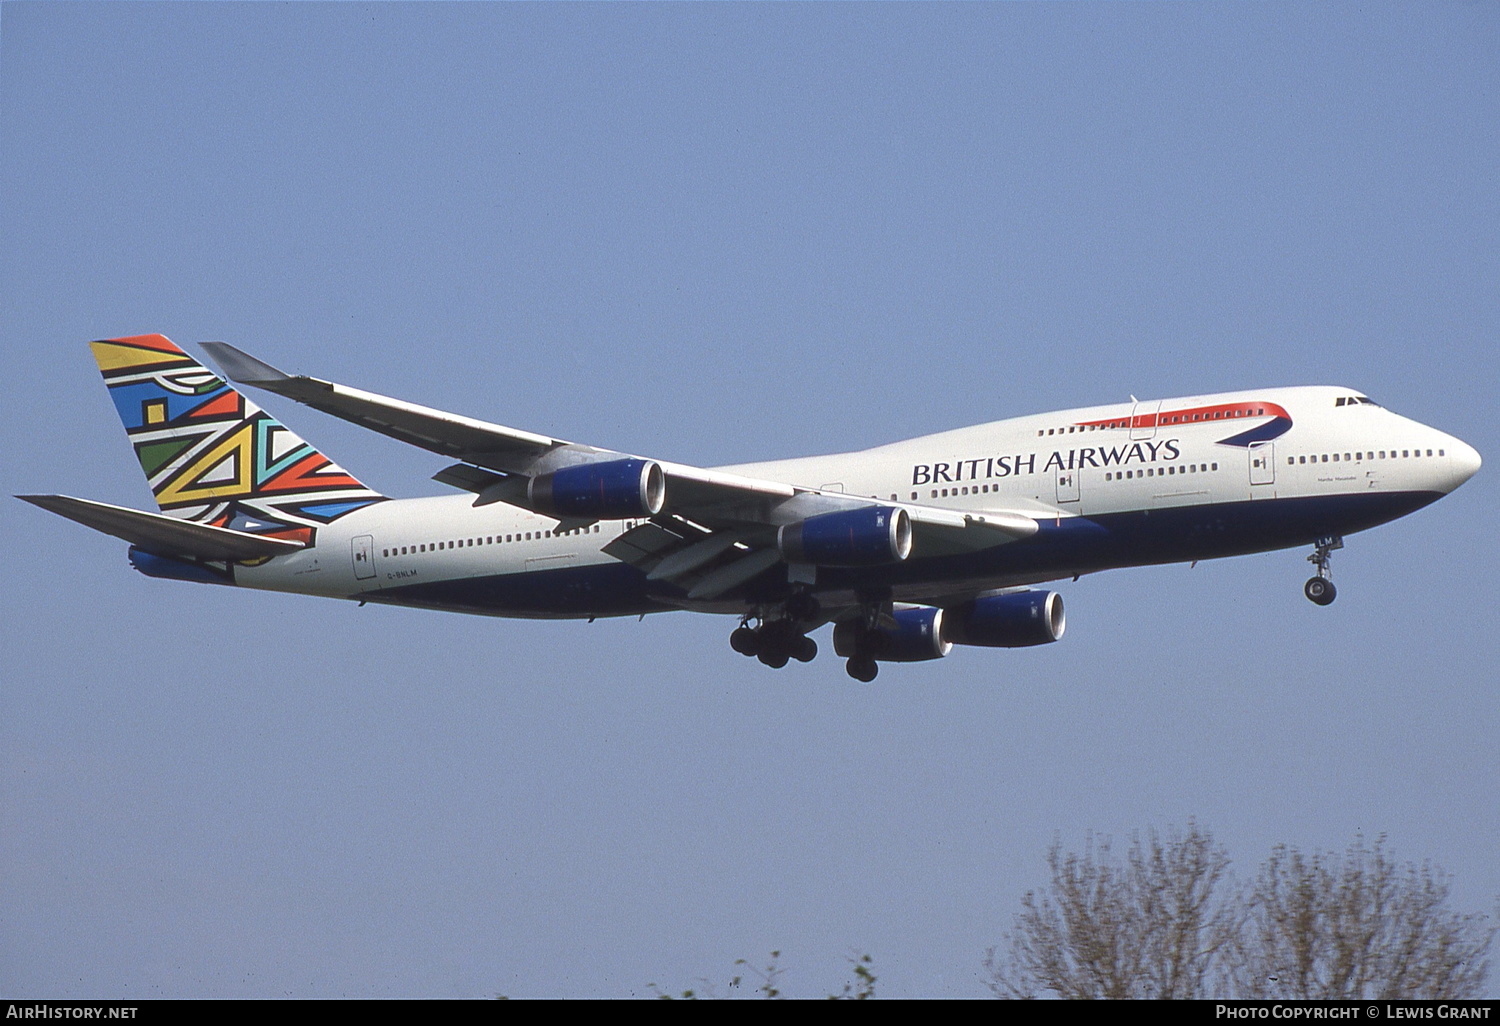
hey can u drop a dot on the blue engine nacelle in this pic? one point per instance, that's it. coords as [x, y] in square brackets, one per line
[1013, 620]
[869, 536]
[601, 491]
[917, 636]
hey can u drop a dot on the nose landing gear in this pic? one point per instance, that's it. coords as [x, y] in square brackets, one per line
[1320, 589]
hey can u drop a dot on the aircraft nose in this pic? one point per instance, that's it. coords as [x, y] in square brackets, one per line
[1463, 462]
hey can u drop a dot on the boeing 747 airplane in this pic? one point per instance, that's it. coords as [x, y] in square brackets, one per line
[907, 549]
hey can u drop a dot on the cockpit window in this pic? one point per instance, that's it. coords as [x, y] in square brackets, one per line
[1354, 400]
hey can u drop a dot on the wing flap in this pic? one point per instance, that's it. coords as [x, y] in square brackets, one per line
[644, 545]
[732, 575]
[164, 535]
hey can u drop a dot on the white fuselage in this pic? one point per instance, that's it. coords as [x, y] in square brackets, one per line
[1227, 473]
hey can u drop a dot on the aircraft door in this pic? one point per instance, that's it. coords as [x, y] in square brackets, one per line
[1067, 485]
[364, 557]
[1143, 419]
[1263, 463]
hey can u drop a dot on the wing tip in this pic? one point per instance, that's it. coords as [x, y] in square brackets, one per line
[240, 366]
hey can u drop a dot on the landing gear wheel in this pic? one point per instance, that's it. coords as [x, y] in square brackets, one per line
[862, 668]
[1320, 590]
[804, 649]
[775, 658]
[745, 641]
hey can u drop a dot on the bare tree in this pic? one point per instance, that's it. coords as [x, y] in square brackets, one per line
[1152, 927]
[1357, 926]
[1170, 923]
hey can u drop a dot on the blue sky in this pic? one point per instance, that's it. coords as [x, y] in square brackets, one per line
[719, 233]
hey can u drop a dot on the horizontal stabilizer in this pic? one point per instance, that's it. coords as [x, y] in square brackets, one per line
[164, 535]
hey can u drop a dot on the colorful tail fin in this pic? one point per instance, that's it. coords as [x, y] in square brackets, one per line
[211, 455]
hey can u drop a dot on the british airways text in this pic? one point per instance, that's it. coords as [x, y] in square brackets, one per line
[988, 467]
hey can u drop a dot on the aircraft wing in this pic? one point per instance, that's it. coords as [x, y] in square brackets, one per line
[722, 524]
[510, 451]
[164, 535]
[473, 441]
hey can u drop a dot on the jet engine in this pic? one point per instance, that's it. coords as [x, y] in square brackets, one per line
[869, 536]
[1013, 620]
[917, 636]
[601, 491]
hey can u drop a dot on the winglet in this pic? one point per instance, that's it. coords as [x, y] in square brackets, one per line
[241, 366]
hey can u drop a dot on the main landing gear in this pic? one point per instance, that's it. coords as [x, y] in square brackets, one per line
[868, 641]
[774, 642]
[782, 633]
[1320, 589]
